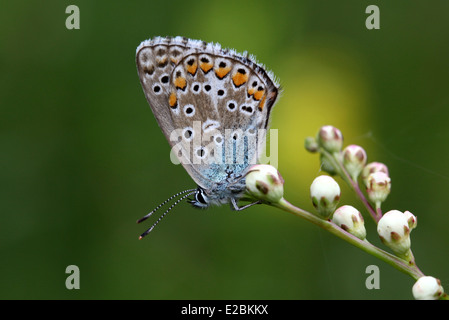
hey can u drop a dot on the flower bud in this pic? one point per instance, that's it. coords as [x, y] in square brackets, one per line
[350, 219]
[371, 168]
[330, 139]
[354, 159]
[264, 182]
[427, 288]
[394, 231]
[378, 188]
[311, 144]
[325, 194]
[411, 219]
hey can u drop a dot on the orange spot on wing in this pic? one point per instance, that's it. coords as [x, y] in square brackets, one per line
[162, 62]
[222, 72]
[251, 91]
[172, 100]
[192, 69]
[206, 66]
[180, 83]
[262, 103]
[259, 94]
[239, 79]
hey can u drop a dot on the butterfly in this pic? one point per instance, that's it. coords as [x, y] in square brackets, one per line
[213, 105]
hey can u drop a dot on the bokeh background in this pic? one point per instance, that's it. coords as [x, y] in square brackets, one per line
[82, 157]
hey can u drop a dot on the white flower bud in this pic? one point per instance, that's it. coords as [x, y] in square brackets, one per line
[350, 219]
[379, 187]
[394, 231]
[427, 288]
[264, 182]
[371, 168]
[354, 160]
[325, 194]
[330, 139]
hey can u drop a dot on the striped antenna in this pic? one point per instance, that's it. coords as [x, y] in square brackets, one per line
[155, 209]
[190, 192]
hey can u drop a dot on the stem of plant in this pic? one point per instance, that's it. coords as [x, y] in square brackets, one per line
[404, 266]
[338, 166]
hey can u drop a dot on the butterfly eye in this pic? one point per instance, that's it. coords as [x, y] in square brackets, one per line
[200, 197]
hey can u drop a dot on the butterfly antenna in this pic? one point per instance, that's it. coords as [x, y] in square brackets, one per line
[157, 208]
[163, 215]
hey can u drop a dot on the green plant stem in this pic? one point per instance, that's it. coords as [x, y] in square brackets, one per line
[343, 173]
[375, 212]
[404, 266]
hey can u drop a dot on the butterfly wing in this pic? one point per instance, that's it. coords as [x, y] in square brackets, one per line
[209, 102]
[155, 61]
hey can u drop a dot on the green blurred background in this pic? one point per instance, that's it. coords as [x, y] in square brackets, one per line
[82, 157]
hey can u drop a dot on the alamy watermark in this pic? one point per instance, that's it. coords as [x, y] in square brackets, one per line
[373, 20]
[73, 20]
[73, 280]
[203, 143]
[373, 280]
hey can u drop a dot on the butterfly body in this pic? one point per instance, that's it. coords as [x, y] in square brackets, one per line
[213, 106]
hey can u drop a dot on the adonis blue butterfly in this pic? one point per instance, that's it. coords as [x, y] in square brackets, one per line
[213, 106]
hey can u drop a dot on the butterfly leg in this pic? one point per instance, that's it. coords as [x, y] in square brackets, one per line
[235, 206]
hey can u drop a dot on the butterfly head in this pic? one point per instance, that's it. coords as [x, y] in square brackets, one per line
[201, 199]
